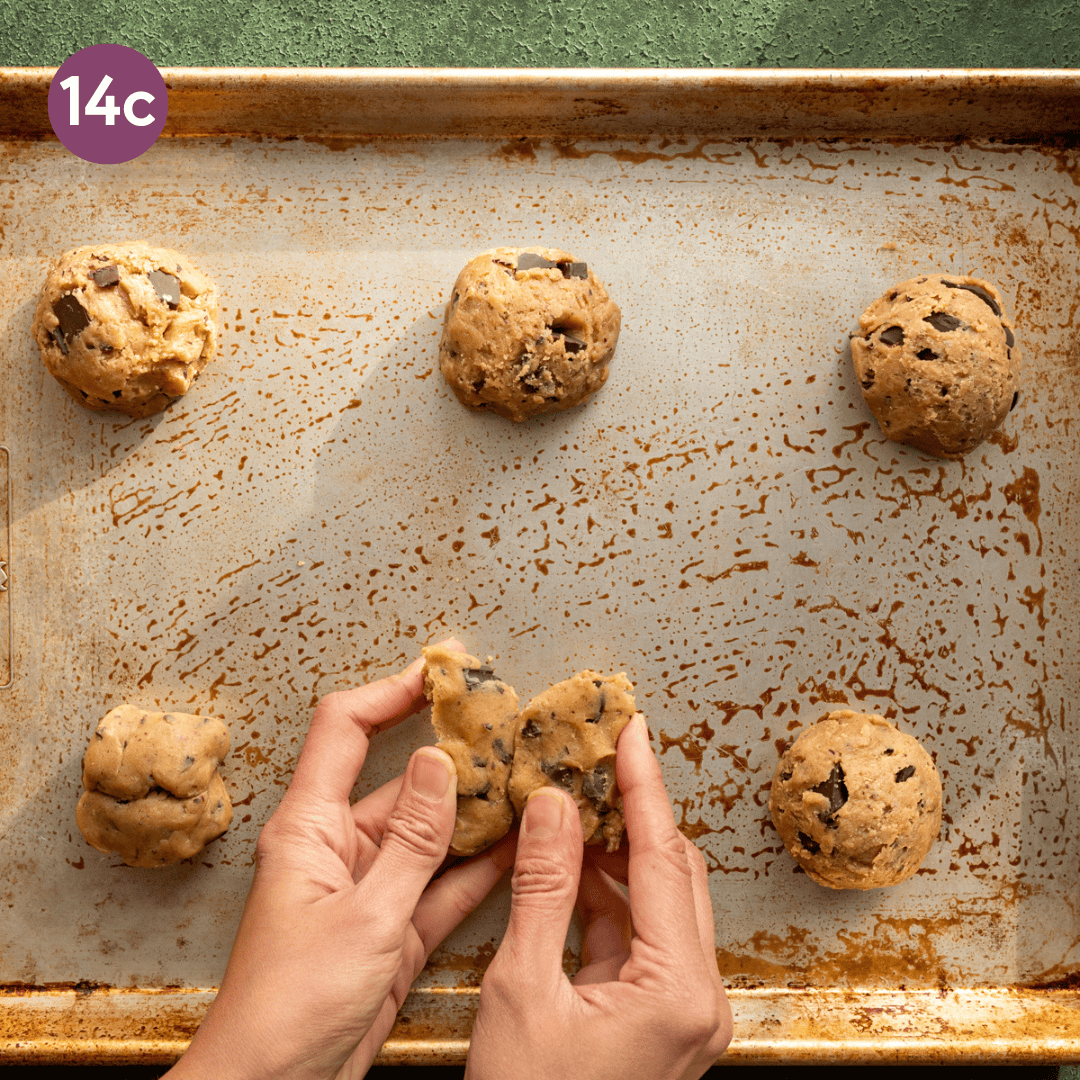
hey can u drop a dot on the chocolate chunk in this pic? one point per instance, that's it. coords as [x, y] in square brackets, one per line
[106, 276]
[891, 335]
[475, 677]
[58, 337]
[560, 775]
[1009, 339]
[529, 260]
[73, 317]
[834, 789]
[1016, 398]
[982, 294]
[479, 762]
[531, 730]
[501, 752]
[600, 710]
[482, 793]
[926, 354]
[188, 762]
[906, 773]
[786, 776]
[571, 342]
[944, 322]
[811, 845]
[889, 752]
[118, 393]
[868, 379]
[166, 286]
[599, 782]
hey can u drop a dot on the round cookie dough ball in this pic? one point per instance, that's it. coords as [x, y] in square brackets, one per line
[937, 362]
[153, 791]
[527, 330]
[856, 802]
[126, 326]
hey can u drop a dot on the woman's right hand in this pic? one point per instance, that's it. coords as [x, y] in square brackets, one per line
[648, 1001]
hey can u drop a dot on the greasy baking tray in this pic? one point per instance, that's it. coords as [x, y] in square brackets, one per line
[724, 522]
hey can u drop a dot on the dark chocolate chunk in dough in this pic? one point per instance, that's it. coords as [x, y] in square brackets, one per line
[834, 789]
[531, 730]
[1010, 340]
[106, 276]
[73, 317]
[166, 286]
[1016, 398]
[926, 354]
[574, 269]
[504, 755]
[475, 677]
[868, 379]
[599, 782]
[571, 342]
[529, 260]
[906, 773]
[891, 335]
[982, 294]
[809, 843]
[944, 322]
[562, 775]
[58, 337]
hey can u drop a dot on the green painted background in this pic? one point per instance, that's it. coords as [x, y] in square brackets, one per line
[554, 33]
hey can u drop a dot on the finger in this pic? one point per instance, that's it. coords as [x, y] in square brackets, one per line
[604, 971]
[606, 927]
[369, 816]
[616, 864]
[416, 838]
[454, 895]
[544, 887]
[661, 891]
[699, 879]
[337, 741]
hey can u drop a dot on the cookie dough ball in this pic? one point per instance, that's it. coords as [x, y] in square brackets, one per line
[153, 792]
[567, 737]
[527, 330]
[475, 719]
[856, 802]
[126, 326]
[937, 362]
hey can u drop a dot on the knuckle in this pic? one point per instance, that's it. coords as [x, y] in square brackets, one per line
[416, 832]
[540, 877]
[709, 1017]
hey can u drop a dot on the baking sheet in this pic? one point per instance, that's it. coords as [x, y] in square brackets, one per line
[723, 522]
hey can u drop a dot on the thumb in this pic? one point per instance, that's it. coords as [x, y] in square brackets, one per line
[417, 834]
[544, 885]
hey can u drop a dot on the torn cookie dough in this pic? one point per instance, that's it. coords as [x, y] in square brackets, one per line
[856, 801]
[527, 331]
[474, 714]
[937, 363]
[153, 791]
[567, 737]
[126, 326]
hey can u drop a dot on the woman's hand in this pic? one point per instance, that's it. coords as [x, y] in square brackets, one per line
[648, 1000]
[342, 912]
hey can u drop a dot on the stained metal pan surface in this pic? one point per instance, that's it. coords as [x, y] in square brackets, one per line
[724, 521]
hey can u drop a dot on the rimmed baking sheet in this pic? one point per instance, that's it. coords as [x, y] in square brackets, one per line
[723, 522]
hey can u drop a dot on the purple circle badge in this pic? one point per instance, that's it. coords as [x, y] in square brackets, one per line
[108, 104]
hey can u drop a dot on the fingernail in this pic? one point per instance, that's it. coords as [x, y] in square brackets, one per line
[543, 815]
[430, 776]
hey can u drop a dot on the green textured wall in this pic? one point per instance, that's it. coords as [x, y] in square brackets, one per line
[555, 33]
